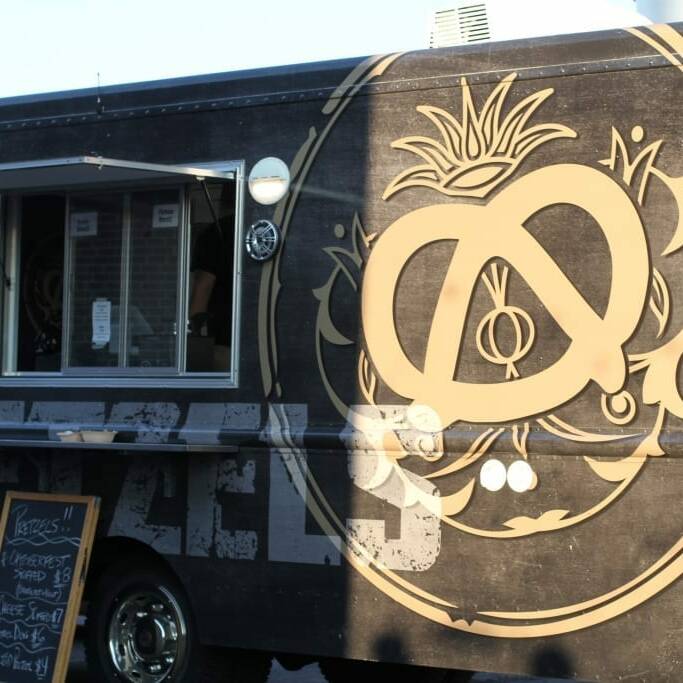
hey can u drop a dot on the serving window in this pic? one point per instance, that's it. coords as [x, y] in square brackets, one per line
[138, 282]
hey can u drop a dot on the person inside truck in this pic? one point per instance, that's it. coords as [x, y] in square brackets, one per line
[210, 309]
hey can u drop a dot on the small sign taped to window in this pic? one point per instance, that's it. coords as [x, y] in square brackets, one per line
[83, 224]
[165, 216]
[101, 322]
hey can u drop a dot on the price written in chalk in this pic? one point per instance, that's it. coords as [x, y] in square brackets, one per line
[41, 565]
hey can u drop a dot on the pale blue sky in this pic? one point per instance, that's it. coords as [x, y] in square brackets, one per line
[51, 45]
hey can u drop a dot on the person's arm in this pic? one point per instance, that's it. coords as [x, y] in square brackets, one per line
[203, 283]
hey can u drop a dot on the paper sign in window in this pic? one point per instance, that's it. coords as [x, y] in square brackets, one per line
[165, 216]
[83, 224]
[101, 322]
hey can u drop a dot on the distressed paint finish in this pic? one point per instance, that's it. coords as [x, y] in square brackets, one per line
[288, 540]
[330, 531]
[545, 205]
[419, 542]
[130, 519]
[287, 537]
[208, 530]
[11, 412]
[56, 416]
[207, 423]
[150, 422]
[147, 422]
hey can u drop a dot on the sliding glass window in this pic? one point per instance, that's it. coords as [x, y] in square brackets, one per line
[153, 279]
[95, 224]
[122, 282]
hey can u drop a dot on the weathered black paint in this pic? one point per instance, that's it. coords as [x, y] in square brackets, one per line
[321, 607]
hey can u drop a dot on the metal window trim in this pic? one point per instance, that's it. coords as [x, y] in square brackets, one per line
[122, 377]
[12, 256]
[66, 287]
[237, 168]
[110, 381]
[184, 284]
[180, 238]
[124, 286]
[115, 371]
[154, 171]
[240, 182]
[3, 263]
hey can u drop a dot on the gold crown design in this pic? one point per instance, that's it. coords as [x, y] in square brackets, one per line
[480, 151]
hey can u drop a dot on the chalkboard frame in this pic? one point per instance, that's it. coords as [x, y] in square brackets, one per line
[80, 569]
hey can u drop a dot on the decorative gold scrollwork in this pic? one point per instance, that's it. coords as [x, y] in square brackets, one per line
[477, 153]
[474, 157]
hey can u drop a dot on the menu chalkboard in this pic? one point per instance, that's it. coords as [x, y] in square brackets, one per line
[45, 543]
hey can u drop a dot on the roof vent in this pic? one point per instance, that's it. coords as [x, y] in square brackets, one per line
[467, 22]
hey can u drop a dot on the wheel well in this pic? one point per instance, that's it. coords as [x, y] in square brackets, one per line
[106, 551]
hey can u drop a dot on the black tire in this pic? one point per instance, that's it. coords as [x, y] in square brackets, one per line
[143, 610]
[352, 671]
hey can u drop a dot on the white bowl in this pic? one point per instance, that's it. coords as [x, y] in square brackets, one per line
[93, 436]
[69, 435]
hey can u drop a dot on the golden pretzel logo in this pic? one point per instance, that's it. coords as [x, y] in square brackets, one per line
[519, 319]
[496, 230]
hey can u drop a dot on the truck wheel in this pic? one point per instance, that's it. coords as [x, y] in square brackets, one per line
[140, 630]
[351, 671]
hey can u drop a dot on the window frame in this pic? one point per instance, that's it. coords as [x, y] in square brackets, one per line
[108, 377]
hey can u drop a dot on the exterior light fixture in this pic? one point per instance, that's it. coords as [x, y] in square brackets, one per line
[269, 180]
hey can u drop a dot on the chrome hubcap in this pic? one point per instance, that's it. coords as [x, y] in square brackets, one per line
[147, 636]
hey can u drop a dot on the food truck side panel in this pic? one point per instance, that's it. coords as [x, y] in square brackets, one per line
[498, 365]
[357, 519]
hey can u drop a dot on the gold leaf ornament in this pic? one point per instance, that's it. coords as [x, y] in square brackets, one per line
[477, 153]
[546, 522]
[455, 503]
[614, 471]
[675, 186]
[347, 264]
[635, 169]
[660, 301]
[661, 368]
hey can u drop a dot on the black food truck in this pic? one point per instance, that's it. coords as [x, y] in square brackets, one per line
[375, 362]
